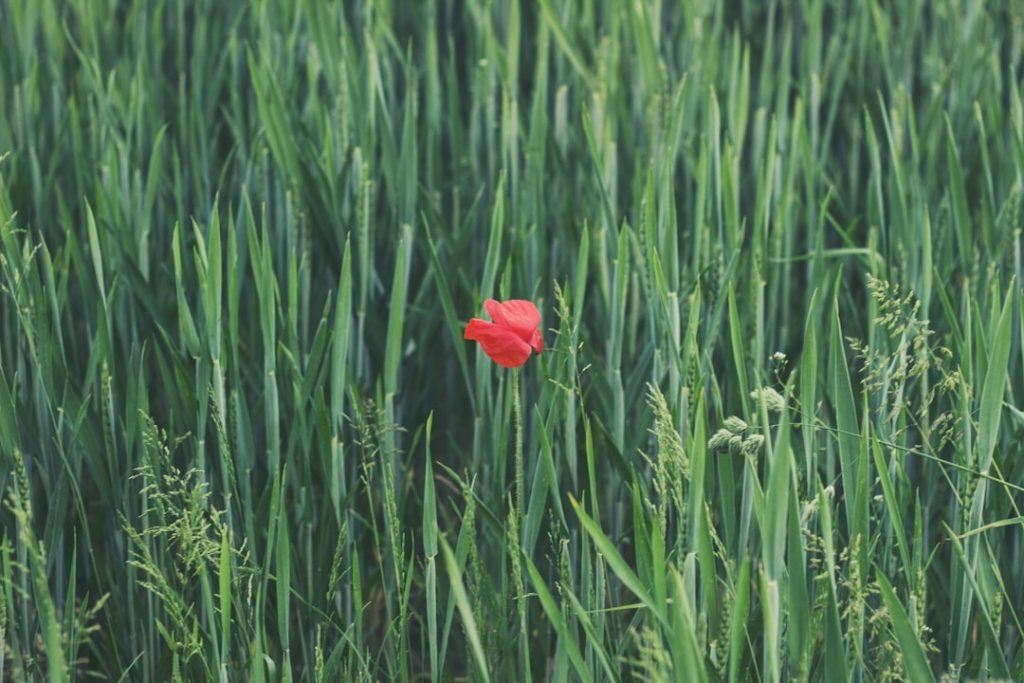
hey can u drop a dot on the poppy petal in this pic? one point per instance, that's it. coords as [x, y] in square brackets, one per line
[537, 341]
[502, 345]
[473, 328]
[521, 316]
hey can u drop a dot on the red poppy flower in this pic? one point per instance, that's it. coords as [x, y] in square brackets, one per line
[508, 339]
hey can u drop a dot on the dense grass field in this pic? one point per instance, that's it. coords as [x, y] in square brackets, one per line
[776, 430]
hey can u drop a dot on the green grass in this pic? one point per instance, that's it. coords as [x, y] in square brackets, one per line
[775, 434]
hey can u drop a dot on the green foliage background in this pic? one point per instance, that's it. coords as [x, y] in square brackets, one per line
[775, 434]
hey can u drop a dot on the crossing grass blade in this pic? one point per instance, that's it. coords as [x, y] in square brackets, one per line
[738, 627]
[914, 658]
[991, 639]
[893, 508]
[689, 662]
[554, 613]
[616, 561]
[593, 637]
[841, 393]
[465, 609]
[990, 407]
[430, 551]
[224, 592]
[393, 343]
[451, 318]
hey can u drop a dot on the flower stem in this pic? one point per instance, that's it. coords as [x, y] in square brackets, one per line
[516, 528]
[517, 416]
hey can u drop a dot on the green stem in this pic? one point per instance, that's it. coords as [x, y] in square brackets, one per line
[517, 416]
[517, 527]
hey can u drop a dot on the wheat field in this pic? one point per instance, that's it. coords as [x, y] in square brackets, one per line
[775, 431]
